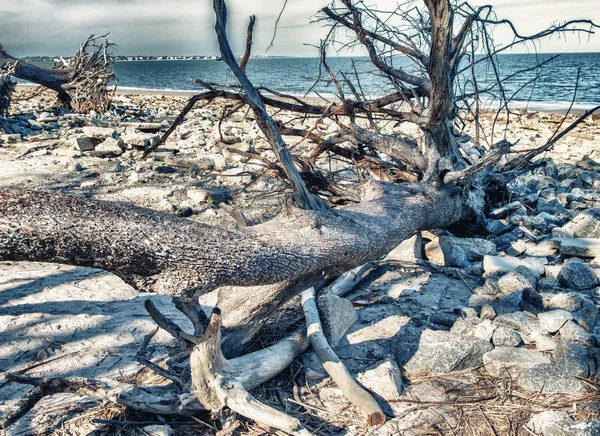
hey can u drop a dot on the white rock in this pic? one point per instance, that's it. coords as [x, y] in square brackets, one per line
[384, 379]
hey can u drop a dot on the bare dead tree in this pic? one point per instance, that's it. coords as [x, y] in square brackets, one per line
[84, 82]
[257, 269]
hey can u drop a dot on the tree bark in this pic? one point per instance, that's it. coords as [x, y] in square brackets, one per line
[264, 265]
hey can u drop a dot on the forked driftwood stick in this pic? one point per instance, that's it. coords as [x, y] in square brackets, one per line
[358, 396]
[216, 380]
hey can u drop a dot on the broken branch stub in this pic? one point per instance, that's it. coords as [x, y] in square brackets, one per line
[216, 385]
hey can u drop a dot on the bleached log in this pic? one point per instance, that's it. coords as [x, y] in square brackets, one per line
[358, 396]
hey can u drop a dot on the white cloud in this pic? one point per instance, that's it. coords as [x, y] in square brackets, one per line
[30, 27]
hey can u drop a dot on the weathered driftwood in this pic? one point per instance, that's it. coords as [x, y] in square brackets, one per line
[82, 83]
[257, 269]
[225, 381]
[217, 382]
[336, 369]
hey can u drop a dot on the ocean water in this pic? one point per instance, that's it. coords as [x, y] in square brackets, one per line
[552, 85]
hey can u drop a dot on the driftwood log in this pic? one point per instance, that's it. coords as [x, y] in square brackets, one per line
[82, 83]
[257, 269]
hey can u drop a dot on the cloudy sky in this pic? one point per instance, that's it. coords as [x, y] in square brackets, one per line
[185, 27]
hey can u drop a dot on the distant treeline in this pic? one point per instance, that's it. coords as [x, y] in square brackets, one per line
[136, 58]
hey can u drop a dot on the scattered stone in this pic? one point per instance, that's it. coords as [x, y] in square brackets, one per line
[569, 301]
[553, 320]
[575, 333]
[441, 352]
[496, 227]
[158, 430]
[526, 324]
[99, 132]
[141, 140]
[487, 312]
[446, 255]
[498, 265]
[506, 337]
[545, 343]
[509, 304]
[85, 144]
[503, 361]
[337, 315]
[546, 378]
[75, 167]
[409, 250]
[579, 247]
[384, 379]
[12, 138]
[584, 225]
[573, 359]
[538, 423]
[109, 148]
[503, 212]
[490, 287]
[577, 275]
[474, 327]
[513, 282]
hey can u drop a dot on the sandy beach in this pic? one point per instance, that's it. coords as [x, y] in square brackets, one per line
[59, 320]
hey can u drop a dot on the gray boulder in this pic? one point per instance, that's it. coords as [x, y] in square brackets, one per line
[574, 359]
[498, 265]
[553, 320]
[384, 379]
[575, 333]
[409, 250]
[506, 337]
[526, 324]
[84, 143]
[337, 315]
[513, 282]
[503, 361]
[584, 225]
[99, 132]
[441, 352]
[580, 247]
[546, 378]
[577, 275]
[538, 423]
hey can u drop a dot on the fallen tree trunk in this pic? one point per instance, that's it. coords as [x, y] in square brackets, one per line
[170, 255]
[51, 79]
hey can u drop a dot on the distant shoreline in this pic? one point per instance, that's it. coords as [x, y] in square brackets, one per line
[533, 106]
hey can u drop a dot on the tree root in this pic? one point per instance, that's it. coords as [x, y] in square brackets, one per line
[218, 382]
[215, 382]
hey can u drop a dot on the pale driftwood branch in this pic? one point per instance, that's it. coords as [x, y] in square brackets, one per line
[83, 84]
[216, 384]
[195, 314]
[358, 396]
[396, 146]
[252, 97]
[167, 400]
[348, 281]
[499, 150]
